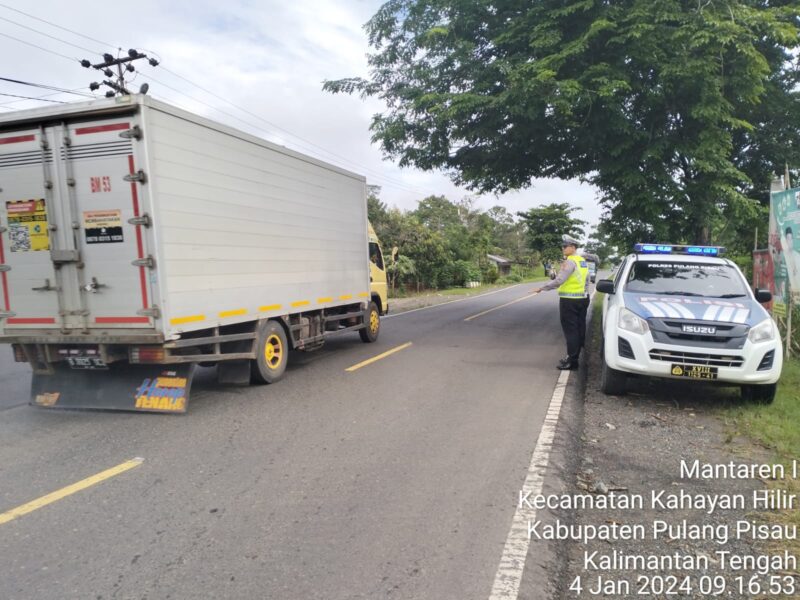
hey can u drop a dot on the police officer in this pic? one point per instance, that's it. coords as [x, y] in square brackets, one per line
[572, 282]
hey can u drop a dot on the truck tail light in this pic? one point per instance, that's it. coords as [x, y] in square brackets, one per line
[147, 354]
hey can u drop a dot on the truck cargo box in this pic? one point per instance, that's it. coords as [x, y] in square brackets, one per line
[130, 219]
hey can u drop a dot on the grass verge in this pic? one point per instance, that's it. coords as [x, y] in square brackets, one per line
[776, 427]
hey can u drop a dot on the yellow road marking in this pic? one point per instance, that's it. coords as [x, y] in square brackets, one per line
[269, 307]
[233, 313]
[486, 312]
[377, 358]
[189, 319]
[324, 300]
[68, 491]
[300, 303]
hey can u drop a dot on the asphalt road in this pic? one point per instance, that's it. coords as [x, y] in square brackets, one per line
[397, 480]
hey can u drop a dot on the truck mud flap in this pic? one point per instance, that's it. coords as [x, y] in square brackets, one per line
[139, 388]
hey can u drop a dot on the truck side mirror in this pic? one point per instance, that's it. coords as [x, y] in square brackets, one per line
[605, 286]
[763, 295]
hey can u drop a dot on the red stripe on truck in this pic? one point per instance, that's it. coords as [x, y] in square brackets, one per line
[139, 242]
[102, 128]
[3, 276]
[31, 321]
[121, 320]
[16, 139]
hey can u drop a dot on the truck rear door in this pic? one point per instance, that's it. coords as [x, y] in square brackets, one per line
[76, 251]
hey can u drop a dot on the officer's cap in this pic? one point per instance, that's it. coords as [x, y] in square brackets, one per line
[567, 240]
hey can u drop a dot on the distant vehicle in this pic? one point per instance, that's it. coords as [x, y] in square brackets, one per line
[685, 312]
[592, 271]
[138, 240]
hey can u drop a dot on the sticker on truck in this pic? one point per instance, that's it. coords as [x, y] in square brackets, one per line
[103, 226]
[27, 225]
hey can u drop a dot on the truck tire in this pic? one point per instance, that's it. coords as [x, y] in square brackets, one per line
[612, 382]
[372, 322]
[272, 353]
[761, 394]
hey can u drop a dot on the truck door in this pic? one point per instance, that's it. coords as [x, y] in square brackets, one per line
[75, 260]
[113, 276]
[27, 221]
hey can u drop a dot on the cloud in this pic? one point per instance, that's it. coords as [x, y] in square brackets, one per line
[268, 57]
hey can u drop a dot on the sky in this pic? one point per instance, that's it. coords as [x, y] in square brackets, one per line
[257, 65]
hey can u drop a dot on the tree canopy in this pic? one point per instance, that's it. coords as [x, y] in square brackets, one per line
[676, 110]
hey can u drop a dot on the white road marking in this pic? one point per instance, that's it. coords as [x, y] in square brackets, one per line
[512, 563]
[413, 310]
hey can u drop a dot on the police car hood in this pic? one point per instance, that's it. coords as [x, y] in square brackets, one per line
[745, 310]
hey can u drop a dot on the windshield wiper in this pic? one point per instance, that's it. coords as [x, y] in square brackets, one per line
[731, 296]
[677, 294]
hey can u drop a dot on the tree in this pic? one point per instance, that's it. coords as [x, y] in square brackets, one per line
[670, 108]
[545, 226]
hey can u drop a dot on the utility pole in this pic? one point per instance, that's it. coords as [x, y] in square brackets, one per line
[124, 65]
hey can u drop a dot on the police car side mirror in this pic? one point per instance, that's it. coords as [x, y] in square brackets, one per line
[605, 286]
[763, 295]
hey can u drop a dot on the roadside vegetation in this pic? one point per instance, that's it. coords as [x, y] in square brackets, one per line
[443, 245]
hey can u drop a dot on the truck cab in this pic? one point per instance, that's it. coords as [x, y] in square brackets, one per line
[378, 287]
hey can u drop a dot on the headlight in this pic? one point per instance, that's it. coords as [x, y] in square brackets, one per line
[763, 332]
[632, 322]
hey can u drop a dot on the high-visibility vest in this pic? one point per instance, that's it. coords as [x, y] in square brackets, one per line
[575, 285]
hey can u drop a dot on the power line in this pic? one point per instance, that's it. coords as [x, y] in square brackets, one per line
[52, 37]
[56, 26]
[387, 180]
[278, 127]
[6, 104]
[31, 98]
[69, 58]
[46, 87]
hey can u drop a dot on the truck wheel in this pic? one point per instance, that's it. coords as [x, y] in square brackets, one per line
[612, 382]
[372, 320]
[272, 353]
[762, 394]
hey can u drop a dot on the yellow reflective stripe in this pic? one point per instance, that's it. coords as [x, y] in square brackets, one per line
[189, 319]
[346, 297]
[269, 307]
[324, 300]
[300, 303]
[233, 313]
[364, 295]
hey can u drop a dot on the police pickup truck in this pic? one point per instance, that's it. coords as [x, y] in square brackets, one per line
[684, 312]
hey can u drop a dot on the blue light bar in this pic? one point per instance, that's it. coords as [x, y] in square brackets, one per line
[679, 249]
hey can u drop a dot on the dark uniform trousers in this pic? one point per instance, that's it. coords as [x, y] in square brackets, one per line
[573, 322]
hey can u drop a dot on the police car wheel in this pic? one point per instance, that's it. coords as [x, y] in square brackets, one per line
[612, 382]
[762, 394]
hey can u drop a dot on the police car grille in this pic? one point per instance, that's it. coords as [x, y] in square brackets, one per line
[692, 358]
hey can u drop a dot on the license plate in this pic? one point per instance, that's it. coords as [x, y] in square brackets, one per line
[694, 371]
[86, 362]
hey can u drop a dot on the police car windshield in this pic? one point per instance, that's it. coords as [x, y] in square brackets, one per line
[689, 279]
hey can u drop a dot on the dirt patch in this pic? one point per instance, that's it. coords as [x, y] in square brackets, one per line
[633, 446]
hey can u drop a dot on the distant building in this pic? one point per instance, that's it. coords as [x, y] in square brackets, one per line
[503, 264]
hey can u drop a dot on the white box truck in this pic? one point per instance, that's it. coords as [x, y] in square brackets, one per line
[138, 240]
